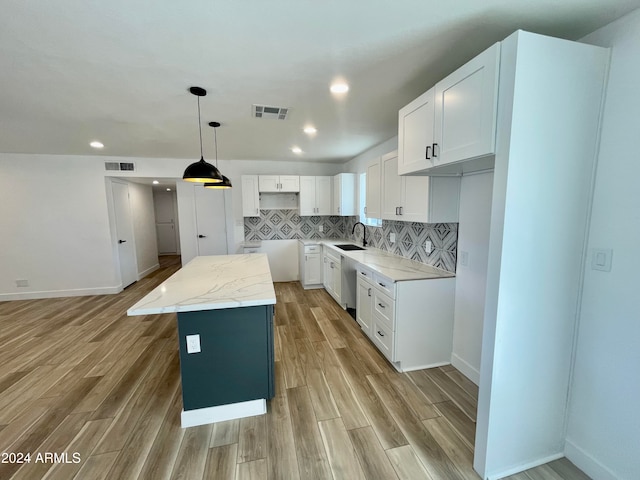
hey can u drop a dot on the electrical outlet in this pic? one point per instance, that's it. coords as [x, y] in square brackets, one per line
[22, 283]
[193, 344]
[428, 246]
[392, 238]
[321, 228]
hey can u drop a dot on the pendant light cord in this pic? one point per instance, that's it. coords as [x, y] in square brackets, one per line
[200, 129]
[215, 139]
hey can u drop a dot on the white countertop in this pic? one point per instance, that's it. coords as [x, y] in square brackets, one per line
[394, 267]
[212, 283]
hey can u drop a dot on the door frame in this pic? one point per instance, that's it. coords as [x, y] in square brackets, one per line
[109, 181]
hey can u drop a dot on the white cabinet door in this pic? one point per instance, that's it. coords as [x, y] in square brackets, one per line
[416, 134]
[374, 193]
[466, 104]
[307, 196]
[289, 183]
[392, 185]
[312, 269]
[364, 298]
[250, 196]
[327, 276]
[337, 280]
[417, 201]
[323, 195]
[269, 183]
[344, 194]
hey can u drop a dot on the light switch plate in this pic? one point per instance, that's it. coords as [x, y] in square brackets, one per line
[428, 246]
[321, 228]
[392, 238]
[464, 258]
[601, 259]
[193, 344]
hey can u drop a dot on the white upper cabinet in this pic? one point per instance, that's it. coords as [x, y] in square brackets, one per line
[415, 134]
[315, 196]
[417, 199]
[454, 121]
[466, 105]
[372, 208]
[279, 183]
[344, 194]
[250, 196]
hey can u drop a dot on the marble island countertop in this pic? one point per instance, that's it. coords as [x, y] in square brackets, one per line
[394, 267]
[212, 283]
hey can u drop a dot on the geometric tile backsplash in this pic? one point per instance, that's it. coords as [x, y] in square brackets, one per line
[410, 236]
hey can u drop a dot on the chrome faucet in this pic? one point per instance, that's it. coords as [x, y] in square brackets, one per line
[364, 232]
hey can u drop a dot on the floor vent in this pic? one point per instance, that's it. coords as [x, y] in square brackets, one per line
[274, 113]
[119, 166]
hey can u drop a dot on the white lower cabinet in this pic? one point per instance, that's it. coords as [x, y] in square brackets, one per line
[332, 275]
[410, 322]
[310, 265]
[364, 301]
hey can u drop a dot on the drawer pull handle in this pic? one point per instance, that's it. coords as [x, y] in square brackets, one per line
[369, 292]
[382, 285]
[380, 333]
[381, 305]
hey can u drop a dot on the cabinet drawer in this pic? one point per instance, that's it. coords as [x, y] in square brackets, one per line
[383, 338]
[364, 273]
[385, 285]
[383, 308]
[312, 249]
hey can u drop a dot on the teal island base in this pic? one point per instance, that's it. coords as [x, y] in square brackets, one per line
[232, 374]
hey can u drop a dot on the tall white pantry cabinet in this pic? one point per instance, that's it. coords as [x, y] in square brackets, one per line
[548, 113]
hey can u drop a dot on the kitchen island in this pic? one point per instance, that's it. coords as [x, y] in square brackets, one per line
[224, 305]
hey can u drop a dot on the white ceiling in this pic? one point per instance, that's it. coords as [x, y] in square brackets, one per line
[72, 71]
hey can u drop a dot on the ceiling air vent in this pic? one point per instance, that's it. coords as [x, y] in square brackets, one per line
[119, 166]
[274, 113]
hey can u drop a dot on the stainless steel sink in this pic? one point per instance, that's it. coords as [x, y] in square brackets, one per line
[349, 246]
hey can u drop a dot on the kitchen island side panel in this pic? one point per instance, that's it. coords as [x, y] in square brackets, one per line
[235, 363]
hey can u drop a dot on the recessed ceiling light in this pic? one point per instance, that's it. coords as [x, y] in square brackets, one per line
[156, 182]
[296, 150]
[96, 144]
[309, 130]
[339, 87]
[168, 189]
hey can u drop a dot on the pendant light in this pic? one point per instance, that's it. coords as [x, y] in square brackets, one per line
[201, 171]
[226, 183]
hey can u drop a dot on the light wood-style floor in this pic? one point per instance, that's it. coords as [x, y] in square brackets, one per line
[79, 376]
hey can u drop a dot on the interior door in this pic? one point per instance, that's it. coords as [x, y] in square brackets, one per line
[211, 225]
[124, 233]
[165, 211]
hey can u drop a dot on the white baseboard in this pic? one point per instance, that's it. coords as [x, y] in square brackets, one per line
[60, 293]
[585, 462]
[466, 368]
[146, 272]
[221, 413]
[398, 366]
[524, 466]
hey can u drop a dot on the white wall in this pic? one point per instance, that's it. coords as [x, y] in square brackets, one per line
[56, 233]
[473, 239]
[55, 227]
[144, 228]
[603, 436]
